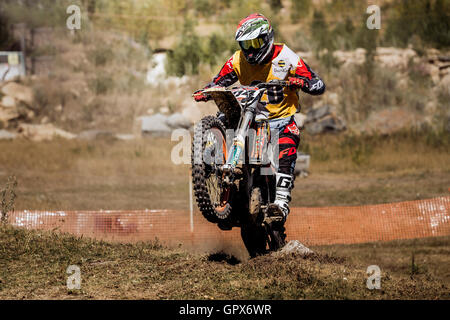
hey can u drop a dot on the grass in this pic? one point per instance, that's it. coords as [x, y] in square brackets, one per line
[35, 263]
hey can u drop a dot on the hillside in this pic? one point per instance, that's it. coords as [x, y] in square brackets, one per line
[96, 77]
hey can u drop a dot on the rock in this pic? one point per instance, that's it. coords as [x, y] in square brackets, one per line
[6, 135]
[44, 120]
[394, 57]
[321, 119]
[444, 71]
[164, 110]
[156, 71]
[41, 132]
[390, 120]
[30, 114]
[8, 102]
[302, 165]
[317, 113]
[431, 106]
[178, 120]
[175, 81]
[293, 247]
[75, 93]
[346, 58]
[403, 83]
[433, 71]
[432, 54]
[19, 92]
[329, 123]
[163, 124]
[333, 98]
[303, 161]
[192, 113]
[155, 124]
[125, 136]
[95, 134]
[7, 114]
[445, 84]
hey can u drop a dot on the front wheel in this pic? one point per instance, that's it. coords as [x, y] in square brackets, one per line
[209, 151]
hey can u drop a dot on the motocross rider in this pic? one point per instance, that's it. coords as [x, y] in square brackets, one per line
[260, 59]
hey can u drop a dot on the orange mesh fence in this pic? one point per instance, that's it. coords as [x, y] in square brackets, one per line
[312, 226]
[383, 222]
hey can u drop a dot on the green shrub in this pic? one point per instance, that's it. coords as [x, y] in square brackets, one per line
[319, 29]
[276, 5]
[38, 13]
[205, 7]
[219, 47]
[320, 154]
[358, 148]
[191, 50]
[187, 53]
[430, 20]
[100, 56]
[102, 84]
[6, 38]
[300, 9]
[185, 58]
[343, 35]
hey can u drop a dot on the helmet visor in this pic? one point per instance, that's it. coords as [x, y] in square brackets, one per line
[255, 43]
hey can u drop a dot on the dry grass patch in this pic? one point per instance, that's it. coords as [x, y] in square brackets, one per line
[36, 262]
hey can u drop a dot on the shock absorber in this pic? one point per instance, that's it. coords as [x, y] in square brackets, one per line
[239, 142]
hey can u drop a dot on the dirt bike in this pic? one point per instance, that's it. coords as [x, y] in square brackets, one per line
[234, 183]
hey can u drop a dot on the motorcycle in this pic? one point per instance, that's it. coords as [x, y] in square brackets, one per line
[234, 183]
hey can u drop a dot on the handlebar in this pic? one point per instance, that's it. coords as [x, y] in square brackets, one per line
[260, 85]
[282, 83]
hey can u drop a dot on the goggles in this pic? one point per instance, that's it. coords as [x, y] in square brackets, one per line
[255, 43]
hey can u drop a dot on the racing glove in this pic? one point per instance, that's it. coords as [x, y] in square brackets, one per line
[200, 96]
[297, 83]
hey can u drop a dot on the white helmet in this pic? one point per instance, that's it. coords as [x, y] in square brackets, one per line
[255, 37]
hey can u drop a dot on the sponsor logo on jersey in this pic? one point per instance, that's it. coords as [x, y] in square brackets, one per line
[280, 66]
[293, 129]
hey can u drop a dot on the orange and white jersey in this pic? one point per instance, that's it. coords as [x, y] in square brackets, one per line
[284, 63]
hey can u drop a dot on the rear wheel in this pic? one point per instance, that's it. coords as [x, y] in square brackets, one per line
[255, 239]
[253, 234]
[277, 237]
[209, 152]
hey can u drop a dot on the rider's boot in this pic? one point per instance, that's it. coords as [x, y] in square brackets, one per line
[280, 207]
